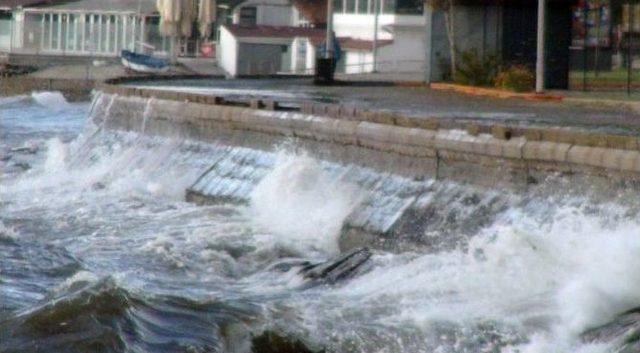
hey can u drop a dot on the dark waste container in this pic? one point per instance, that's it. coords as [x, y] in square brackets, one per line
[324, 71]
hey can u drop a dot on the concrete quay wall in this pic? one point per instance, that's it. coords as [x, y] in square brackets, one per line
[468, 151]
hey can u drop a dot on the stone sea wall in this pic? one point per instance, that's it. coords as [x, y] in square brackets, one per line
[395, 156]
[526, 152]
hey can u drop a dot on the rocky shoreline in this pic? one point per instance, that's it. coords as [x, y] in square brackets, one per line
[9, 70]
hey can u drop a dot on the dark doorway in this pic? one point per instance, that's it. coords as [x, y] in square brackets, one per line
[557, 44]
[519, 38]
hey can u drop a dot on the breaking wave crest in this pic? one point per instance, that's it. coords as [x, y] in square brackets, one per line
[101, 316]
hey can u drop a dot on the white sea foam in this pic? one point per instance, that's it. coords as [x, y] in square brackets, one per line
[12, 99]
[7, 232]
[79, 278]
[301, 204]
[51, 100]
[56, 156]
[538, 274]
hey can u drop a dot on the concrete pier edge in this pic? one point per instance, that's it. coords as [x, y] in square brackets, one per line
[494, 155]
[406, 135]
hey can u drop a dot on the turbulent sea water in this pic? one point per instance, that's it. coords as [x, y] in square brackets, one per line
[100, 253]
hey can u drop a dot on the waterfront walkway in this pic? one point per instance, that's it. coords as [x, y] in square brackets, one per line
[582, 111]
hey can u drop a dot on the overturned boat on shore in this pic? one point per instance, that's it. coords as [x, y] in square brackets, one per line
[143, 63]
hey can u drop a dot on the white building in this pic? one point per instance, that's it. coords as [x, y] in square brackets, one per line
[268, 13]
[267, 37]
[267, 50]
[401, 34]
[95, 28]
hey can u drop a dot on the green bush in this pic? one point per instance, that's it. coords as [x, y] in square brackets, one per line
[518, 78]
[475, 69]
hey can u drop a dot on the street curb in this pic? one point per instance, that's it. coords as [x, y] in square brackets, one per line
[494, 92]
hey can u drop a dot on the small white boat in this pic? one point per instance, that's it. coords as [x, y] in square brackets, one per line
[143, 63]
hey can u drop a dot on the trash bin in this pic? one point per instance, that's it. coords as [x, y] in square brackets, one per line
[324, 71]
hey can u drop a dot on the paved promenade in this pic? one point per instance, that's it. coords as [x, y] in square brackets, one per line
[582, 111]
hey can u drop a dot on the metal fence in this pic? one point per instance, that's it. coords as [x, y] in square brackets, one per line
[605, 50]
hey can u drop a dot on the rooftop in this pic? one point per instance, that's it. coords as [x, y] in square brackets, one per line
[143, 6]
[274, 31]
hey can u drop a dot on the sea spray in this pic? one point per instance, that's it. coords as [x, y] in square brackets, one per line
[301, 204]
[148, 110]
[54, 101]
[57, 152]
[531, 276]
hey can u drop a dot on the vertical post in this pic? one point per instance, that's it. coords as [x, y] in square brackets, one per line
[124, 31]
[60, 47]
[44, 16]
[142, 33]
[83, 21]
[134, 28]
[50, 31]
[428, 13]
[540, 47]
[329, 35]
[374, 47]
[107, 46]
[75, 32]
[585, 15]
[11, 25]
[116, 34]
[100, 33]
[629, 53]
[68, 32]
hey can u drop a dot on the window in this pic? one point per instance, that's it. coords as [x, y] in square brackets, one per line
[350, 6]
[338, 6]
[409, 7]
[388, 6]
[248, 16]
[363, 6]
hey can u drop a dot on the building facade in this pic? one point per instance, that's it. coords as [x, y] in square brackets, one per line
[93, 28]
[400, 35]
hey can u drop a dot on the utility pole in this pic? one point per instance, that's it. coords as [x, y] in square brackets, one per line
[374, 47]
[540, 47]
[325, 65]
[328, 53]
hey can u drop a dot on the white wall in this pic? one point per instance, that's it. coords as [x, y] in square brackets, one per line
[311, 57]
[228, 52]
[307, 64]
[406, 53]
[18, 29]
[361, 26]
[275, 15]
[5, 34]
[270, 13]
[358, 61]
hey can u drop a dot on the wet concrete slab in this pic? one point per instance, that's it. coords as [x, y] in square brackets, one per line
[421, 101]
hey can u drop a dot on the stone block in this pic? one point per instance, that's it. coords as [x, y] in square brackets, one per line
[584, 155]
[473, 129]
[545, 151]
[347, 111]
[513, 148]
[629, 160]
[255, 103]
[420, 137]
[501, 132]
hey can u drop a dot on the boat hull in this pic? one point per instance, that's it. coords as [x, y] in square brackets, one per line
[143, 63]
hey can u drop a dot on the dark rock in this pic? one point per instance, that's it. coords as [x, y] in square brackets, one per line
[25, 150]
[23, 165]
[623, 332]
[337, 269]
[272, 342]
[7, 70]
